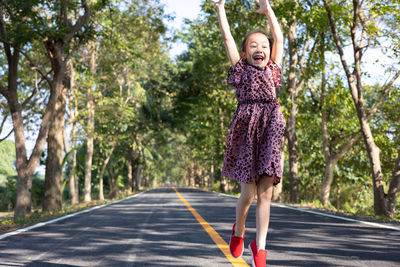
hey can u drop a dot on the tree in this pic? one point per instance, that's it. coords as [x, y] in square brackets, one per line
[59, 45]
[303, 25]
[73, 119]
[49, 30]
[363, 30]
[328, 144]
[129, 62]
[90, 126]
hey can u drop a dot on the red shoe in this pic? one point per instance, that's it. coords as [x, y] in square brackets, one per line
[259, 257]
[236, 244]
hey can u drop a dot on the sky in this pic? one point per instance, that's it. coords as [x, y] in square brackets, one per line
[180, 9]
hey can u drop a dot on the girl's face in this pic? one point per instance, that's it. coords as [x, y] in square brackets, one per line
[257, 51]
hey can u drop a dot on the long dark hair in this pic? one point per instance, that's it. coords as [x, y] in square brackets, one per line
[270, 40]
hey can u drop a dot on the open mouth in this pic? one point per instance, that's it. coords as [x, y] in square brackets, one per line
[258, 58]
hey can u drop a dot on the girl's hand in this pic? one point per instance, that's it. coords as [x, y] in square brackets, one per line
[218, 3]
[263, 6]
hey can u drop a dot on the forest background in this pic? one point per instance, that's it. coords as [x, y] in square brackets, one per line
[92, 86]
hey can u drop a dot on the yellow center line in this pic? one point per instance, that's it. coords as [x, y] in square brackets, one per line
[222, 245]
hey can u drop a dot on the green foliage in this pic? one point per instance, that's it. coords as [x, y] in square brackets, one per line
[170, 119]
[8, 192]
[386, 130]
[203, 104]
[7, 162]
[129, 87]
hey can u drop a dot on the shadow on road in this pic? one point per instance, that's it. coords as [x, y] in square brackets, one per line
[156, 229]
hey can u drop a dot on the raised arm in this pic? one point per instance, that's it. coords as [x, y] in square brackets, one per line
[227, 37]
[277, 48]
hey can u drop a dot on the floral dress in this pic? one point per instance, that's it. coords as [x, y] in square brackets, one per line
[254, 141]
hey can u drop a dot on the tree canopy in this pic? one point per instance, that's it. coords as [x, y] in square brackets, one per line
[95, 80]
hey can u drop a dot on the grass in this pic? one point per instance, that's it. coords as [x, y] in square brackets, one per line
[8, 224]
[366, 213]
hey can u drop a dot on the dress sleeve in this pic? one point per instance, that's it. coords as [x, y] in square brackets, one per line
[235, 73]
[276, 73]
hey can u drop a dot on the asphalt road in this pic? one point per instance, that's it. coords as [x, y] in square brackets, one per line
[157, 229]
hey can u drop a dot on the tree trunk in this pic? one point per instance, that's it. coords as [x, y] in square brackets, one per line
[186, 179]
[380, 206]
[24, 191]
[327, 182]
[135, 184]
[24, 182]
[145, 178]
[111, 189]
[138, 178]
[394, 187]
[130, 175]
[277, 193]
[211, 180]
[89, 154]
[329, 165]
[25, 168]
[196, 175]
[219, 176]
[291, 124]
[90, 131]
[55, 51]
[101, 183]
[112, 180]
[52, 199]
[355, 86]
[73, 179]
[331, 159]
[53, 177]
[103, 168]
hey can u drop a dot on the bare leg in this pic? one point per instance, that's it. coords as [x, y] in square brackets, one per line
[264, 195]
[242, 207]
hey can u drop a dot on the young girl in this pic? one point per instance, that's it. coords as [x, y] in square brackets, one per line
[253, 145]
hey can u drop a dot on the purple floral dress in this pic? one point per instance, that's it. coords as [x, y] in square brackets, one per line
[254, 141]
